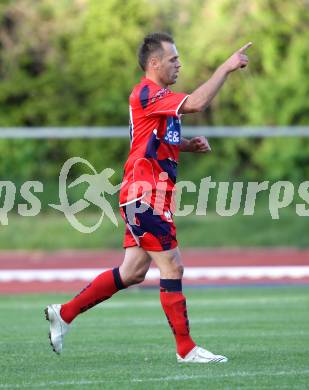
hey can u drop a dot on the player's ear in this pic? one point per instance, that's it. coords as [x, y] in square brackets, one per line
[154, 62]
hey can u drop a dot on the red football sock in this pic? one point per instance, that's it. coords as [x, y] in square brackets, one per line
[100, 289]
[174, 306]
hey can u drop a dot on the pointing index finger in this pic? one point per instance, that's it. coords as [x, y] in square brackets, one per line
[244, 48]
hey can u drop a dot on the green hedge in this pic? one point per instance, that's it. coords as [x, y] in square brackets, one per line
[74, 63]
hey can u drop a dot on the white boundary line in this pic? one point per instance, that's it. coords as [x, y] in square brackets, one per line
[192, 273]
[172, 378]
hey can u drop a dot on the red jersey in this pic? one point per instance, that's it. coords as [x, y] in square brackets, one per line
[155, 133]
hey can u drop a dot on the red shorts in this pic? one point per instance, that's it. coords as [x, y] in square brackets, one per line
[150, 223]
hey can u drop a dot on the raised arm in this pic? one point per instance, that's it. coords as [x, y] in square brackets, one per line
[203, 95]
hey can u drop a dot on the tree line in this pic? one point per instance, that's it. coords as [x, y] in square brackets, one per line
[73, 63]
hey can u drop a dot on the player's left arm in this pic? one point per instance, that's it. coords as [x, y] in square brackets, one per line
[195, 145]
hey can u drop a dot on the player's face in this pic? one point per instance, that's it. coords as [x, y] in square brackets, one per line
[168, 64]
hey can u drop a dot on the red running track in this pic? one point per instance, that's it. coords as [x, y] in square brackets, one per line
[66, 260]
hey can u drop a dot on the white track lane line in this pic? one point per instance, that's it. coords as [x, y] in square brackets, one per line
[191, 273]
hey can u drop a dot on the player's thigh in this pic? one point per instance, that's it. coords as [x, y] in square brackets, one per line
[169, 263]
[135, 265]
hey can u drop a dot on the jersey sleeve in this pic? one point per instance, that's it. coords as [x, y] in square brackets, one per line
[163, 102]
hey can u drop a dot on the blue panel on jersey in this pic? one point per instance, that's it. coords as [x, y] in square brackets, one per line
[173, 131]
[144, 96]
[170, 167]
[152, 146]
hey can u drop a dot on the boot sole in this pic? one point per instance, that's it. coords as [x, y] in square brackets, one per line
[49, 334]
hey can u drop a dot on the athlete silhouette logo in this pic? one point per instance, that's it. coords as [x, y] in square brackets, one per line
[98, 185]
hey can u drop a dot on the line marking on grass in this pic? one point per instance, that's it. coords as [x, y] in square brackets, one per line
[174, 378]
[226, 375]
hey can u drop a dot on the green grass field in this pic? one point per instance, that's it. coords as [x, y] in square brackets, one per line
[125, 343]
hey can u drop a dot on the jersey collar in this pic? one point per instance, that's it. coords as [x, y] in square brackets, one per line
[145, 79]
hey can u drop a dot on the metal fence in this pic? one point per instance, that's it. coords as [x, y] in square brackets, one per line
[123, 132]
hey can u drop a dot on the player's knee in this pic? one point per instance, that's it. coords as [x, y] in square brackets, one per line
[140, 276]
[180, 270]
[174, 271]
[176, 266]
[177, 271]
[136, 277]
[134, 274]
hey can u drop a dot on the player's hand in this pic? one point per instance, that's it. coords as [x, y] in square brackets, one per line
[199, 145]
[238, 60]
